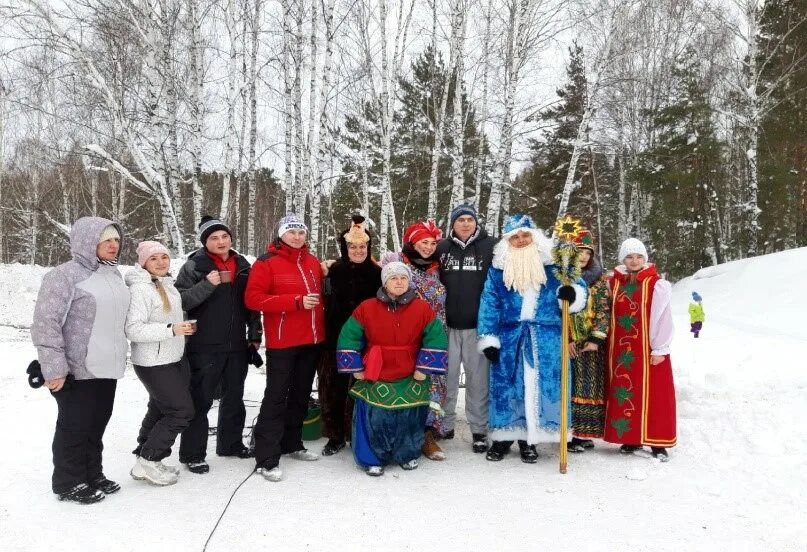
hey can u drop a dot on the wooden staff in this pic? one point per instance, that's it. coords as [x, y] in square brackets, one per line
[564, 386]
[566, 230]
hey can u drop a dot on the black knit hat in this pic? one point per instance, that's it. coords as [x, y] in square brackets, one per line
[209, 225]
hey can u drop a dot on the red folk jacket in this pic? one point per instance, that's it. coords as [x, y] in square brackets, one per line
[276, 286]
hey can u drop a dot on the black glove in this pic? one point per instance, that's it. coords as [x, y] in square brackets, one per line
[35, 378]
[254, 357]
[491, 353]
[567, 293]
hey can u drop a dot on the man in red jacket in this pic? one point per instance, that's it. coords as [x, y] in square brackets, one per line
[286, 285]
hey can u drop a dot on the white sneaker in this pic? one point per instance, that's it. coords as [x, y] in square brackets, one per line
[169, 468]
[305, 455]
[151, 472]
[411, 465]
[274, 474]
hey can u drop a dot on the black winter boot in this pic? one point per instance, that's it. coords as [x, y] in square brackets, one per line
[82, 494]
[480, 443]
[106, 486]
[528, 453]
[497, 450]
[660, 453]
[332, 447]
[629, 449]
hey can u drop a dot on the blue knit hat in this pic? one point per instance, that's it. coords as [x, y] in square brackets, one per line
[696, 297]
[461, 210]
[514, 223]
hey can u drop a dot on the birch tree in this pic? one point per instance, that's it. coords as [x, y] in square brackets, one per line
[749, 80]
[530, 24]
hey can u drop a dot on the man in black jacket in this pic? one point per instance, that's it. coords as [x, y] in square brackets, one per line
[212, 284]
[465, 256]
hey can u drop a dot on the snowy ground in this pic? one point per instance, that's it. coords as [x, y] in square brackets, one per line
[735, 482]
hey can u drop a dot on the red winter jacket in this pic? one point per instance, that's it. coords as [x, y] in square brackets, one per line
[276, 286]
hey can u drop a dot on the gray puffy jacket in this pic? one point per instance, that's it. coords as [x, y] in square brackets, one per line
[80, 312]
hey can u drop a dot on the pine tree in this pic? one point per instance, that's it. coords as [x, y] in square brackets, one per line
[594, 202]
[683, 176]
[783, 151]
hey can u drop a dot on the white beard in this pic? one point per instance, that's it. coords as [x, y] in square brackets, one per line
[523, 269]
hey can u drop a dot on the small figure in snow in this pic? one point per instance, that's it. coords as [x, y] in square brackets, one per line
[696, 315]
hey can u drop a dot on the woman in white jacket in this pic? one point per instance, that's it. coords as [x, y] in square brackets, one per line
[157, 331]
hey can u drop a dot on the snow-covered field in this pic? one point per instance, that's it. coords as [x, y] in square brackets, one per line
[736, 481]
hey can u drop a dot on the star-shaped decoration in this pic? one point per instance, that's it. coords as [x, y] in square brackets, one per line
[568, 228]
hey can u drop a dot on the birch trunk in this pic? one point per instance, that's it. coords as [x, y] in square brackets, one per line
[196, 107]
[253, 130]
[483, 113]
[300, 165]
[314, 183]
[232, 70]
[288, 115]
[457, 126]
[2, 168]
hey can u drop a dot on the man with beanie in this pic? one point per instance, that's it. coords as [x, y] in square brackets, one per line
[464, 261]
[286, 286]
[212, 284]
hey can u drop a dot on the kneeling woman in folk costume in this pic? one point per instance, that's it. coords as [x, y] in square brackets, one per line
[403, 343]
[519, 332]
[641, 396]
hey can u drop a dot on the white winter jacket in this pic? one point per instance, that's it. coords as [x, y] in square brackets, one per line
[148, 325]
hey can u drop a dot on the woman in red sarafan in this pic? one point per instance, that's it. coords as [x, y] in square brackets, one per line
[641, 395]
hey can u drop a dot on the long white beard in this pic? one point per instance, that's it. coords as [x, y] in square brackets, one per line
[523, 269]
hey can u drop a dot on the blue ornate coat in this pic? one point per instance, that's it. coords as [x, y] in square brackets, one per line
[524, 401]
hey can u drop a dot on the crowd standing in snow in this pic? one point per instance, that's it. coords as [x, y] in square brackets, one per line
[388, 340]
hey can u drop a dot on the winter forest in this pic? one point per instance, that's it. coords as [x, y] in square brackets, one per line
[681, 122]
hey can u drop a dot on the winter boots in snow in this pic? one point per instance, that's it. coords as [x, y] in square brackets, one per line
[660, 452]
[448, 435]
[332, 447]
[153, 471]
[497, 450]
[528, 453]
[304, 455]
[197, 467]
[480, 443]
[82, 494]
[431, 449]
[239, 452]
[411, 465]
[629, 449]
[273, 474]
[374, 471]
[106, 486]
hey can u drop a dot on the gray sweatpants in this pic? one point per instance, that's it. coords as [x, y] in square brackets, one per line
[462, 351]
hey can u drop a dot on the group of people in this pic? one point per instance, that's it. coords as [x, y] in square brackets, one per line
[387, 339]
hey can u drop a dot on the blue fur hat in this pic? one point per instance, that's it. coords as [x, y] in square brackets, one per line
[514, 223]
[696, 297]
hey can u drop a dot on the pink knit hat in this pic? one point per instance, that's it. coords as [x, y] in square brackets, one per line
[146, 249]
